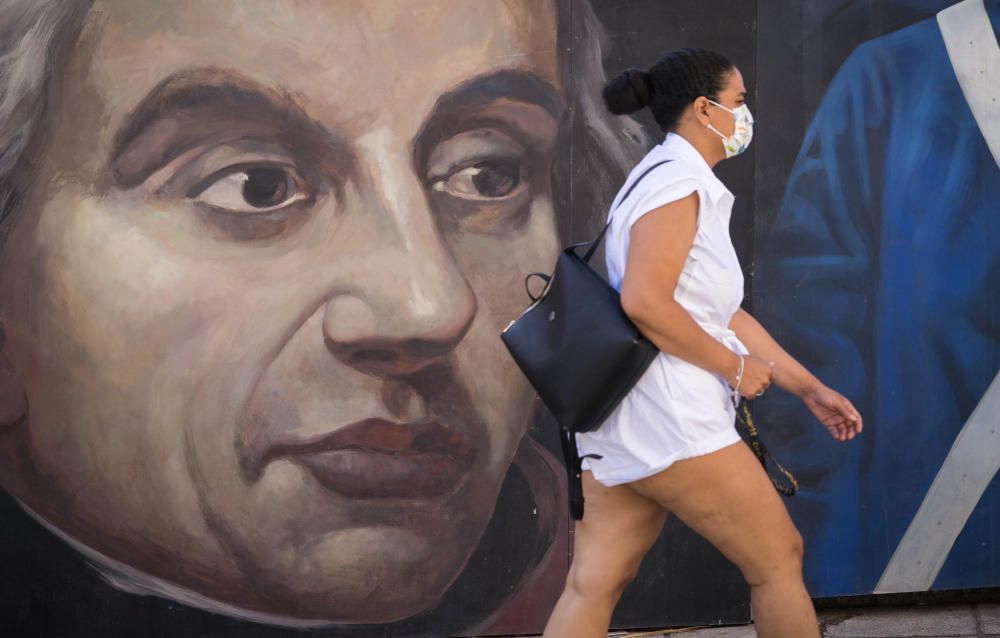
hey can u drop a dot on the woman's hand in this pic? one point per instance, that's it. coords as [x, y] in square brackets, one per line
[756, 377]
[835, 412]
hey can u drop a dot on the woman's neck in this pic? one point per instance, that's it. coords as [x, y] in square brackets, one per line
[707, 143]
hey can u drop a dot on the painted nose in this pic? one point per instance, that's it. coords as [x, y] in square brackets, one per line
[405, 325]
[411, 305]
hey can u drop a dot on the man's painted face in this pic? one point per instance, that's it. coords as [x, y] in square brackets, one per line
[254, 295]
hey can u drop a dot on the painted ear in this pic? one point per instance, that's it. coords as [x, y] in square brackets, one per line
[13, 403]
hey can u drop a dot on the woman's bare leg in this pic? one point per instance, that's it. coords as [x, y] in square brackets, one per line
[617, 530]
[728, 499]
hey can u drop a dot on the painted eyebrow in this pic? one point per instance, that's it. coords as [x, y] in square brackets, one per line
[517, 84]
[224, 91]
[226, 95]
[203, 99]
[207, 88]
[456, 107]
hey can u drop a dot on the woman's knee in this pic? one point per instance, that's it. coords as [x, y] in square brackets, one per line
[781, 559]
[600, 582]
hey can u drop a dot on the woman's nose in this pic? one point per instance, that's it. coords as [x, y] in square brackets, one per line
[410, 305]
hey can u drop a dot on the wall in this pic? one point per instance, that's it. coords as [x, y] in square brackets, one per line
[256, 257]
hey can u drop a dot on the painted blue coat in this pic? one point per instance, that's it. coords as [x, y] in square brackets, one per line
[881, 273]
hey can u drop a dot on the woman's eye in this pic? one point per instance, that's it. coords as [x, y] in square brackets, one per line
[253, 189]
[488, 179]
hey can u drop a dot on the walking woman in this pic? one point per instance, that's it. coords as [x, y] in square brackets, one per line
[671, 446]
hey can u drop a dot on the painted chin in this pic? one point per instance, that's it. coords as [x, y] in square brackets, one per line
[361, 574]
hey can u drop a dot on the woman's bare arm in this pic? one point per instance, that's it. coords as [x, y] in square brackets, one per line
[659, 244]
[832, 409]
[789, 374]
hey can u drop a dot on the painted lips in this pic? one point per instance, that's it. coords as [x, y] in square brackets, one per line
[375, 458]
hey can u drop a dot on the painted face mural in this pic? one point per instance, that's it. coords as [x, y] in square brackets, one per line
[255, 258]
[253, 290]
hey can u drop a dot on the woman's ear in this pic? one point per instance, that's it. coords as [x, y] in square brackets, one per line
[701, 111]
[13, 403]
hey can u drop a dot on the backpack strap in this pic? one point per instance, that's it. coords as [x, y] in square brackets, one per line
[574, 473]
[597, 242]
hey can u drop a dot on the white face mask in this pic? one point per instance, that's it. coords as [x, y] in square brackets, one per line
[742, 132]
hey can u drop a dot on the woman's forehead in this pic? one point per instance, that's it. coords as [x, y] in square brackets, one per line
[348, 61]
[734, 82]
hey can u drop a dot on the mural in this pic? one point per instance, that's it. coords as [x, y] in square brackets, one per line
[255, 260]
[885, 244]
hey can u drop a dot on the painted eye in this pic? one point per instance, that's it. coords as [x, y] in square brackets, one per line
[252, 189]
[489, 179]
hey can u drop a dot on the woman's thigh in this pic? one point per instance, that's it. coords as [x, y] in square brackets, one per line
[727, 498]
[618, 528]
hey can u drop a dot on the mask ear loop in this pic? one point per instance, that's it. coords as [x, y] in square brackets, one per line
[725, 108]
[725, 138]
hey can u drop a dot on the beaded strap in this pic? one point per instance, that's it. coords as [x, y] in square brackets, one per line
[744, 419]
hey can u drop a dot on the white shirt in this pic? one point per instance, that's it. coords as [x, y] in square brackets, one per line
[676, 410]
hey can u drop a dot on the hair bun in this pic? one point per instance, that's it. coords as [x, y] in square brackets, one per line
[627, 92]
[640, 84]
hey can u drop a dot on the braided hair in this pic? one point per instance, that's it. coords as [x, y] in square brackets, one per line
[677, 79]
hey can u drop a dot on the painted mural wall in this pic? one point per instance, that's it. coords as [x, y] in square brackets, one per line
[255, 258]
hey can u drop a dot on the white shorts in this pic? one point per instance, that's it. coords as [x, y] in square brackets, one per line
[676, 411]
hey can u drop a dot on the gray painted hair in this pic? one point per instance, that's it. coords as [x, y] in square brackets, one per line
[33, 36]
[599, 149]
[596, 152]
